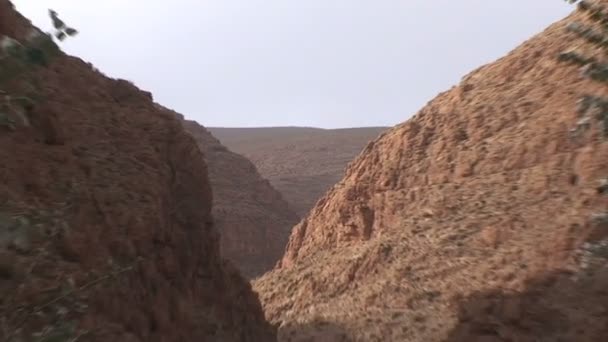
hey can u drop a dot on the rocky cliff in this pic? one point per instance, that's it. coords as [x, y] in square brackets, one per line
[253, 219]
[105, 217]
[302, 163]
[475, 220]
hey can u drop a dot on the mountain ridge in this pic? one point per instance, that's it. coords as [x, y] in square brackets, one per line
[106, 231]
[301, 163]
[473, 220]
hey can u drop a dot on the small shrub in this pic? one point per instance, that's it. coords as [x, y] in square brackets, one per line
[602, 188]
[591, 107]
[600, 219]
[18, 57]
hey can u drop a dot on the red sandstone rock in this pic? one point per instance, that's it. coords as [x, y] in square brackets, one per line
[465, 223]
[108, 228]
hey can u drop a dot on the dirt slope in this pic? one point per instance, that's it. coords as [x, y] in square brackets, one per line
[253, 219]
[302, 163]
[469, 222]
[105, 211]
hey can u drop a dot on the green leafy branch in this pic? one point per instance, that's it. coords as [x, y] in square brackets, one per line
[18, 57]
[61, 29]
[592, 67]
[592, 107]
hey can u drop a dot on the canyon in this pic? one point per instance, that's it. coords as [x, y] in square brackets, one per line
[106, 228]
[475, 220]
[483, 217]
[252, 217]
[302, 163]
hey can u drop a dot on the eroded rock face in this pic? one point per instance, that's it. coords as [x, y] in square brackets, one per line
[105, 229]
[253, 219]
[465, 223]
[301, 163]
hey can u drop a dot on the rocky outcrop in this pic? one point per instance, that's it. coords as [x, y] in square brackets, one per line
[253, 219]
[105, 219]
[302, 163]
[471, 221]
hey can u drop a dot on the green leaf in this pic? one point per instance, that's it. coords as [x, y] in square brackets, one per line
[36, 56]
[57, 23]
[22, 221]
[6, 121]
[4, 109]
[46, 44]
[71, 31]
[25, 102]
[12, 51]
[60, 35]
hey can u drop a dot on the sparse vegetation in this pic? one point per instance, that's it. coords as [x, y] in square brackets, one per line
[16, 58]
[21, 229]
[592, 61]
[603, 186]
[594, 66]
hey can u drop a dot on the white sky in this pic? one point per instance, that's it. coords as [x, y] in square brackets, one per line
[322, 63]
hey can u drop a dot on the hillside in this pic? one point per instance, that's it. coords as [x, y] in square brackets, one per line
[479, 219]
[253, 219]
[301, 163]
[105, 215]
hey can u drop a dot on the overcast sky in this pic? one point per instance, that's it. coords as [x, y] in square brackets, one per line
[322, 63]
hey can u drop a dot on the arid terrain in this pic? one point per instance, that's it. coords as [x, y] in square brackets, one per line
[482, 218]
[106, 231]
[302, 163]
[253, 219]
